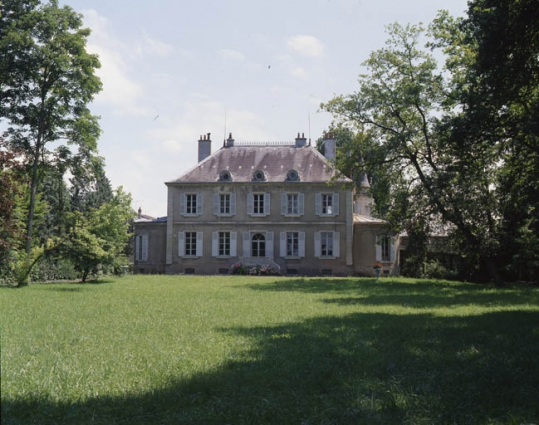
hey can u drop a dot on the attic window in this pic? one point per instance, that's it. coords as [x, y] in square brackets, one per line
[292, 176]
[258, 176]
[224, 176]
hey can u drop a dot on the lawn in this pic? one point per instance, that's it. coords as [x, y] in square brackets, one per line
[255, 350]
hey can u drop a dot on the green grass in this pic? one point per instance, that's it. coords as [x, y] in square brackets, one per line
[248, 350]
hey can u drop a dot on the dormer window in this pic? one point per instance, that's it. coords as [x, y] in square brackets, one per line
[258, 176]
[225, 176]
[292, 176]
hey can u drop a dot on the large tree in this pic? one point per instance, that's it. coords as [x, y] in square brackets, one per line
[47, 79]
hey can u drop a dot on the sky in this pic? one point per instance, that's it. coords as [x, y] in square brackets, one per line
[259, 69]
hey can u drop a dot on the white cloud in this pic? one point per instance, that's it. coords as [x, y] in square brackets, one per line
[299, 72]
[231, 55]
[153, 46]
[306, 45]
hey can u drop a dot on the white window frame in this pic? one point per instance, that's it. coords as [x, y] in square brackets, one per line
[319, 238]
[183, 243]
[263, 204]
[284, 250]
[195, 208]
[326, 204]
[292, 204]
[217, 248]
[385, 243]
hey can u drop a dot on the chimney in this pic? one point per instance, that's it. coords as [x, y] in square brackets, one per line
[330, 145]
[139, 212]
[204, 147]
[301, 141]
[229, 141]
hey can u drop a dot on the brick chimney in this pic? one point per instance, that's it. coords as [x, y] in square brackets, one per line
[301, 141]
[330, 145]
[204, 147]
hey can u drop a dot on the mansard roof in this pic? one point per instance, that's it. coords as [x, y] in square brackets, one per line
[242, 161]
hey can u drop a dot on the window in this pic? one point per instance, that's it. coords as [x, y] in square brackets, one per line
[190, 243]
[141, 247]
[292, 176]
[224, 243]
[225, 176]
[326, 244]
[258, 245]
[258, 203]
[191, 206]
[327, 204]
[258, 176]
[224, 203]
[292, 204]
[292, 244]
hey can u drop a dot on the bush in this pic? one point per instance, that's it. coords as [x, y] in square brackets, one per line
[238, 268]
[50, 268]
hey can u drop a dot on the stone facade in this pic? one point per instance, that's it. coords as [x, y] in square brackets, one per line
[275, 204]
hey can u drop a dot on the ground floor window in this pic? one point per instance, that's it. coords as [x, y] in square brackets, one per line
[258, 245]
[190, 243]
[326, 244]
[224, 243]
[292, 244]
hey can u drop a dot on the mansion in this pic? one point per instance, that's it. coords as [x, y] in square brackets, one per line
[277, 204]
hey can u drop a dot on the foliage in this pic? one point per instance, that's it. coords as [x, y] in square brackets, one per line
[99, 238]
[250, 350]
[238, 269]
[263, 270]
[46, 79]
[453, 155]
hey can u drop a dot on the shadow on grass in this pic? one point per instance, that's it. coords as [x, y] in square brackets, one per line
[355, 369]
[420, 294]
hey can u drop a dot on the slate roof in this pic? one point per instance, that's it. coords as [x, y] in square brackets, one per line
[275, 161]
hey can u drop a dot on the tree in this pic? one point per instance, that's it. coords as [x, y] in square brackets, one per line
[404, 102]
[99, 238]
[47, 79]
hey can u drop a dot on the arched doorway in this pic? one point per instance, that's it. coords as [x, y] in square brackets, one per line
[258, 245]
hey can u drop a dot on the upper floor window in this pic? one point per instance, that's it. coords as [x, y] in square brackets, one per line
[258, 204]
[327, 204]
[191, 204]
[292, 204]
[224, 203]
[259, 176]
[292, 176]
[225, 176]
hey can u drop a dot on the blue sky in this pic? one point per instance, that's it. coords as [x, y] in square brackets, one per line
[172, 69]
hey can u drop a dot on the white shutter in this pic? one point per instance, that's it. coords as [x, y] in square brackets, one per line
[233, 244]
[392, 250]
[233, 203]
[335, 204]
[181, 244]
[144, 247]
[282, 244]
[200, 240]
[199, 203]
[301, 202]
[214, 244]
[284, 202]
[183, 203]
[301, 245]
[246, 244]
[336, 244]
[266, 203]
[378, 247]
[216, 201]
[269, 244]
[250, 203]
[318, 204]
[317, 247]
